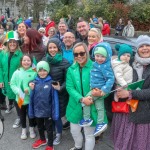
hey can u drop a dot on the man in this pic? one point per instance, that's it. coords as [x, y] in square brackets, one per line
[82, 29]
[41, 24]
[50, 23]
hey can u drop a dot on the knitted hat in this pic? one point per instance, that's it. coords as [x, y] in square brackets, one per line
[28, 23]
[12, 35]
[43, 65]
[100, 50]
[123, 48]
[141, 40]
[56, 41]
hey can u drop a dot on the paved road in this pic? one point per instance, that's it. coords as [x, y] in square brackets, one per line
[11, 138]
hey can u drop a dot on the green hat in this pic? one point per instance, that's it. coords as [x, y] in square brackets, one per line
[122, 49]
[100, 50]
[43, 65]
[12, 35]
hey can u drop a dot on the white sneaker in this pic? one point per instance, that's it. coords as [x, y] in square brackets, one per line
[24, 134]
[32, 132]
[57, 140]
[17, 123]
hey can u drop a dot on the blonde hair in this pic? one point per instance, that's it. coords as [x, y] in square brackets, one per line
[52, 28]
[98, 31]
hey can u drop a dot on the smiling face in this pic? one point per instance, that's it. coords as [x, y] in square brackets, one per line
[12, 45]
[62, 28]
[80, 55]
[93, 37]
[26, 39]
[144, 51]
[83, 28]
[52, 49]
[26, 62]
[22, 29]
[99, 58]
[42, 73]
[68, 39]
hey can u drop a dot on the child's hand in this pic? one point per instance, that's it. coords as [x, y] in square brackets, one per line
[31, 85]
[56, 87]
[1, 85]
[96, 92]
[26, 91]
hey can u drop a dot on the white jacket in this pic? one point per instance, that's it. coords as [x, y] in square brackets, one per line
[123, 72]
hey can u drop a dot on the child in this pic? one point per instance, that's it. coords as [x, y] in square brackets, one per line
[44, 105]
[102, 78]
[122, 70]
[19, 84]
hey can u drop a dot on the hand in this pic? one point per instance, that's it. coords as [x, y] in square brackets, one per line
[56, 87]
[121, 93]
[1, 85]
[87, 101]
[26, 91]
[31, 85]
[96, 92]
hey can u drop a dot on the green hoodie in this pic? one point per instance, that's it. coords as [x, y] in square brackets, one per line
[20, 80]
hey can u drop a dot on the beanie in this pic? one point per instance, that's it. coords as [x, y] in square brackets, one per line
[43, 65]
[122, 49]
[28, 23]
[56, 41]
[12, 35]
[141, 40]
[100, 50]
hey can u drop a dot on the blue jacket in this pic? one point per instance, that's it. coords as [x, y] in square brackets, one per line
[102, 75]
[44, 99]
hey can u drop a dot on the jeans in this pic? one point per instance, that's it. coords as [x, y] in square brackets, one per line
[78, 137]
[58, 126]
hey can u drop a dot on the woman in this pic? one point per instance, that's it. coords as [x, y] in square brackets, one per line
[94, 37]
[58, 69]
[128, 30]
[119, 27]
[51, 32]
[78, 85]
[44, 38]
[33, 45]
[132, 131]
[9, 62]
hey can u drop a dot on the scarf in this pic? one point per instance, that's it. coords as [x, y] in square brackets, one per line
[92, 45]
[139, 64]
[56, 59]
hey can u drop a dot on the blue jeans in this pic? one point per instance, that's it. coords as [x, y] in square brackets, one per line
[58, 125]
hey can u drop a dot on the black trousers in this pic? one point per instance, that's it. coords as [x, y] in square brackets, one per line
[23, 114]
[13, 101]
[47, 123]
[2, 97]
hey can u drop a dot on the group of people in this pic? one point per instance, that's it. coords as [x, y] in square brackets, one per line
[70, 77]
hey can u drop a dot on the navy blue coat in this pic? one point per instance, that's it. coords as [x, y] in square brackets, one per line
[44, 99]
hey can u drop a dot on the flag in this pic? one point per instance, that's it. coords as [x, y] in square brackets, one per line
[21, 98]
[34, 64]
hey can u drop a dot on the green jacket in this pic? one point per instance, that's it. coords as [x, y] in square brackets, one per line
[74, 111]
[20, 80]
[5, 74]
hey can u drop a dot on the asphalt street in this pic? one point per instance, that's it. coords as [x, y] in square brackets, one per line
[11, 138]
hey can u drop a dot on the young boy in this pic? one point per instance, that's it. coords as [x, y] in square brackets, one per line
[102, 77]
[122, 70]
[44, 105]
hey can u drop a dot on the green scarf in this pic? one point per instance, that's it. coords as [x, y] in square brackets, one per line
[56, 59]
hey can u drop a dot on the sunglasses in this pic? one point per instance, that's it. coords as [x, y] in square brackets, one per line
[81, 54]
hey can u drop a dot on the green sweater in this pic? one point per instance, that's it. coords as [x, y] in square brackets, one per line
[5, 73]
[74, 111]
[20, 80]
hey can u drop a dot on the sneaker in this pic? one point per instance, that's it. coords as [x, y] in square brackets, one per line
[24, 134]
[32, 132]
[8, 110]
[49, 148]
[1, 116]
[74, 148]
[39, 143]
[57, 139]
[100, 128]
[3, 106]
[84, 123]
[17, 123]
[66, 125]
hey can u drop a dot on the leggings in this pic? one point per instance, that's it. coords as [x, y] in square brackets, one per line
[13, 101]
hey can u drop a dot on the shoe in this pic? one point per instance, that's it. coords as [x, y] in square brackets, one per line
[57, 140]
[17, 123]
[74, 148]
[32, 132]
[66, 125]
[39, 143]
[49, 148]
[24, 134]
[3, 106]
[1, 116]
[84, 123]
[100, 128]
[8, 110]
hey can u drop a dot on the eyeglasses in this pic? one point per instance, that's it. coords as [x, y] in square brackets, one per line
[68, 37]
[81, 54]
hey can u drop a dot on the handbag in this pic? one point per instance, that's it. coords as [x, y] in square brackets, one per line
[120, 107]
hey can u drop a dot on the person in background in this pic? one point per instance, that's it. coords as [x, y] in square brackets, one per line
[50, 23]
[51, 32]
[131, 131]
[98, 25]
[41, 24]
[28, 22]
[18, 20]
[119, 27]
[44, 38]
[106, 28]
[128, 30]
[70, 23]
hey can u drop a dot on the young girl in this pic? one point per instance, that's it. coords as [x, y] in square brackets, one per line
[19, 84]
[44, 105]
